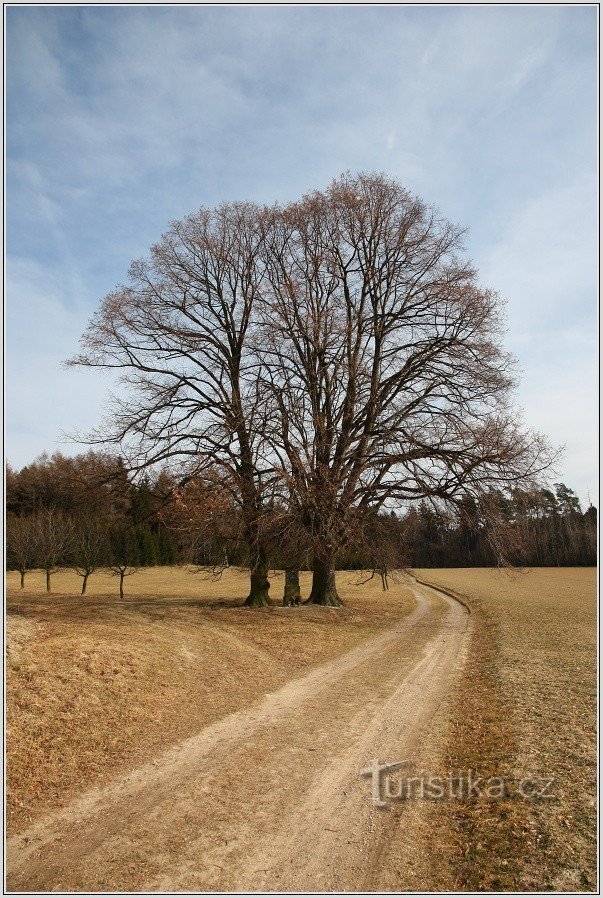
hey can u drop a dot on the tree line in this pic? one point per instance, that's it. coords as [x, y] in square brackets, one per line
[82, 513]
[87, 513]
[539, 528]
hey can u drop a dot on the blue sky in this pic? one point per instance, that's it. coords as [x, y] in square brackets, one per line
[122, 119]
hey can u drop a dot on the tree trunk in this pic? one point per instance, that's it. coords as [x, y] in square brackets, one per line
[260, 584]
[121, 584]
[292, 594]
[324, 588]
[85, 584]
[22, 579]
[48, 581]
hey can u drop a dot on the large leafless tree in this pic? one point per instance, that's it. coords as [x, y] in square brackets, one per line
[383, 357]
[329, 358]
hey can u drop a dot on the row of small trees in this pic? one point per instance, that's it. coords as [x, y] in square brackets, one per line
[49, 539]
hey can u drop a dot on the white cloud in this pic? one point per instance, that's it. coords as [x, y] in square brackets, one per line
[529, 64]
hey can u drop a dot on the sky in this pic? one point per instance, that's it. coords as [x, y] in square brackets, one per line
[122, 119]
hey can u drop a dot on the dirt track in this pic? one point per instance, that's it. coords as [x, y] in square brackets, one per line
[270, 798]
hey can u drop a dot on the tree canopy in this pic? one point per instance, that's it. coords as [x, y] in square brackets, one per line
[329, 359]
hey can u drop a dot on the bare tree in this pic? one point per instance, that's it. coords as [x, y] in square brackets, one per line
[207, 522]
[383, 358]
[122, 570]
[334, 358]
[20, 545]
[180, 335]
[52, 540]
[123, 554]
[90, 548]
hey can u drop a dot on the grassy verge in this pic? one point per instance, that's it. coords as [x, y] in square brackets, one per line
[525, 708]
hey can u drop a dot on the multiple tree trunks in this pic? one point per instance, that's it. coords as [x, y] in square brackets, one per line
[324, 588]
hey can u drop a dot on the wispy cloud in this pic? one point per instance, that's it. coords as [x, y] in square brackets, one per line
[123, 118]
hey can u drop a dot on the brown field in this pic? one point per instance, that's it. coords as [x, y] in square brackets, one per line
[97, 686]
[525, 707]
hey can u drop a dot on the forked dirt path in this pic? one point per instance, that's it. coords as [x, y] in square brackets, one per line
[269, 798]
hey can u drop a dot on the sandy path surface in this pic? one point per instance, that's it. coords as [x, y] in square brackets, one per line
[269, 798]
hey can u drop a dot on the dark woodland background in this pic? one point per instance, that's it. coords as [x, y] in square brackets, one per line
[85, 512]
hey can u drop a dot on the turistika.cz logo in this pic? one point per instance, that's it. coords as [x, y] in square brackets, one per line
[389, 784]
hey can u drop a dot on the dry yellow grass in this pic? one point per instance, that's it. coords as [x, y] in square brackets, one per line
[526, 707]
[96, 685]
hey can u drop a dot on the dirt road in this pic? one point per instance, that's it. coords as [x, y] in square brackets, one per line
[269, 798]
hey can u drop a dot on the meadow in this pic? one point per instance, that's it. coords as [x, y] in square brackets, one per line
[525, 707]
[97, 685]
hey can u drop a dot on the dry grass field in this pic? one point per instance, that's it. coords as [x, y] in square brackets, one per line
[96, 685]
[525, 707]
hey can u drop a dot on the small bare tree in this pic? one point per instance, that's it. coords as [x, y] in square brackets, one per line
[122, 570]
[52, 540]
[20, 545]
[90, 548]
[123, 554]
